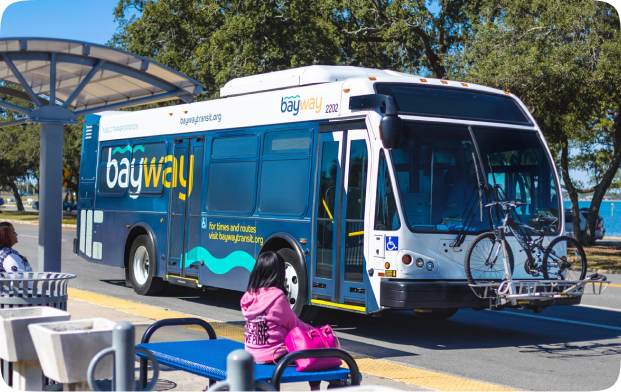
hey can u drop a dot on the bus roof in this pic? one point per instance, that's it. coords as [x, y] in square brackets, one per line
[311, 93]
[298, 77]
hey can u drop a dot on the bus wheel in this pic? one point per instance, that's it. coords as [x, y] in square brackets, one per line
[436, 314]
[296, 284]
[142, 267]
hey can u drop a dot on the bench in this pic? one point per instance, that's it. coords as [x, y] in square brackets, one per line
[207, 358]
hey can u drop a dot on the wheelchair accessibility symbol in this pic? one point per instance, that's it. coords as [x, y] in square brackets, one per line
[392, 243]
[204, 223]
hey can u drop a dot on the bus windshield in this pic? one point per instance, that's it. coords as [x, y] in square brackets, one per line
[436, 172]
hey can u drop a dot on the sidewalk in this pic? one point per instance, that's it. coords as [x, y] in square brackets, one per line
[174, 380]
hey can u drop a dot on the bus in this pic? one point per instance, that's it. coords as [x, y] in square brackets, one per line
[363, 180]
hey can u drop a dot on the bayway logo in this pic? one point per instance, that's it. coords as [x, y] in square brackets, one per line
[169, 170]
[294, 104]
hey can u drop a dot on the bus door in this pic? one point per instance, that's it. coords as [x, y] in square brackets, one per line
[185, 207]
[339, 265]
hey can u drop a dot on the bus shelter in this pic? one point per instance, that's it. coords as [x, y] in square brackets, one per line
[53, 82]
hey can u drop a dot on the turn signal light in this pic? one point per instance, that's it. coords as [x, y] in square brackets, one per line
[387, 265]
[407, 259]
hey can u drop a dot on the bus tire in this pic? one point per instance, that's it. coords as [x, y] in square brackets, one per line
[142, 265]
[296, 283]
[436, 314]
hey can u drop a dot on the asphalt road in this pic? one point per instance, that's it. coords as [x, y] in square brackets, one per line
[564, 348]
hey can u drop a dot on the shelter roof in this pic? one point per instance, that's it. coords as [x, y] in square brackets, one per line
[86, 77]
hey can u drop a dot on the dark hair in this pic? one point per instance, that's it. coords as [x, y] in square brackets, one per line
[5, 235]
[269, 271]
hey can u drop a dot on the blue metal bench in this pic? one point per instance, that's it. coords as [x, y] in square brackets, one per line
[207, 358]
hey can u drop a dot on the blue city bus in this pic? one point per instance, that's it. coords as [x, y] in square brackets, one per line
[361, 179]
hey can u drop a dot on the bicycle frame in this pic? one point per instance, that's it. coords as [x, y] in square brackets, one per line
[512, 225]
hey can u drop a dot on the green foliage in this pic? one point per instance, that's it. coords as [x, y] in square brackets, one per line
[214, 41]
[562, 58]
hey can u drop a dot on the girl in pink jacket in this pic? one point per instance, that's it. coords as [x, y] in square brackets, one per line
[269, 317]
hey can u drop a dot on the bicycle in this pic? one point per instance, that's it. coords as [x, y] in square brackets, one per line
[562, 259]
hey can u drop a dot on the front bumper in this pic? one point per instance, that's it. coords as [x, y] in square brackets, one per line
[408, 294]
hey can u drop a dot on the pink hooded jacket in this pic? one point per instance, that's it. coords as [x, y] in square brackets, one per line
[269, 319]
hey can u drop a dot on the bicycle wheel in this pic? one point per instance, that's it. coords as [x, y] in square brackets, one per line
[564, 259]
[484, 261]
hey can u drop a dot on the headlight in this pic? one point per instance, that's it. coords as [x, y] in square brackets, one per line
[420, 263]
[430, 266]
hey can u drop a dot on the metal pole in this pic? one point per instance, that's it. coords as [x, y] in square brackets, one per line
[123, 341]
[50, 197]
[240, 371]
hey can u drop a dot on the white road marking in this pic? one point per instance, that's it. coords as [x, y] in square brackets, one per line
[600, 307]
[562, 320]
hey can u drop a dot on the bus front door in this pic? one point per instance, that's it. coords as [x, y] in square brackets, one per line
[339, 266]
[185, 207]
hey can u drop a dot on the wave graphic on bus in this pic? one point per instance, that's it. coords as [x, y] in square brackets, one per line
[220, 266]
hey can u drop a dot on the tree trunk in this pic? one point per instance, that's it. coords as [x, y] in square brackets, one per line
[18, 198]
[607, 178]
[571, 190]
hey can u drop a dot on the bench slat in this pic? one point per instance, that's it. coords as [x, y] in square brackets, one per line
[207, 358]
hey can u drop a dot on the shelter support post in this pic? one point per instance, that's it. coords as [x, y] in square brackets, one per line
[50, 197]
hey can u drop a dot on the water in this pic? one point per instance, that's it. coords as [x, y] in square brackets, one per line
[611, 224]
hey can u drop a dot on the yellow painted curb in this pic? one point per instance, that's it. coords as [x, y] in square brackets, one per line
[375, 367]
[614, 285]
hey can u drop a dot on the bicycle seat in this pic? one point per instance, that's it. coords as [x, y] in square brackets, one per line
[597, 276]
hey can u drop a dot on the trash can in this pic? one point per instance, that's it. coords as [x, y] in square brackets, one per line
[20, 289]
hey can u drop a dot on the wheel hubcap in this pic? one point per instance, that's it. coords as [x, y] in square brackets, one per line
[141, 265]
[292, 284]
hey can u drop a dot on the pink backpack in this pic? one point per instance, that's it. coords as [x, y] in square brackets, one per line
[321, 337]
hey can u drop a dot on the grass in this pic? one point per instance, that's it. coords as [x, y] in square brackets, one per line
[29, 216]
[606, 257]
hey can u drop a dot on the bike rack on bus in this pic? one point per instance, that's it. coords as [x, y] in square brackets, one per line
[513, 292]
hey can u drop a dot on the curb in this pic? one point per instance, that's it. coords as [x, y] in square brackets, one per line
[34, 223]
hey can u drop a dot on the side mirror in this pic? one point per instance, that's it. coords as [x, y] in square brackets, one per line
[391, 131]
[391, 126]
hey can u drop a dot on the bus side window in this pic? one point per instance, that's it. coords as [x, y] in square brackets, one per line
[148, 168]
[231, 185]
[113, 177]
[285, 173]
[386, 217]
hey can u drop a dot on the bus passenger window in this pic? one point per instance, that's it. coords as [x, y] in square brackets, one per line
[386, 217]
[232, 184]
[284, 187]
[114, 173]
[148, 163]
[287, 142]
[284, 173]
[231, 187]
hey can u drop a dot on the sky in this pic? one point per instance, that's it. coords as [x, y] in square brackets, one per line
[82, 20]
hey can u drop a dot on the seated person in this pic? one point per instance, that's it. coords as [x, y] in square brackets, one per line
[10, 259]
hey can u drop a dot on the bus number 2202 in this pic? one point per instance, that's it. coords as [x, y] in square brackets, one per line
[333, 108]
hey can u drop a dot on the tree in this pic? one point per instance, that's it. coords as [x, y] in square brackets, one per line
[19, 156]
[216, 41]
[562, 60]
